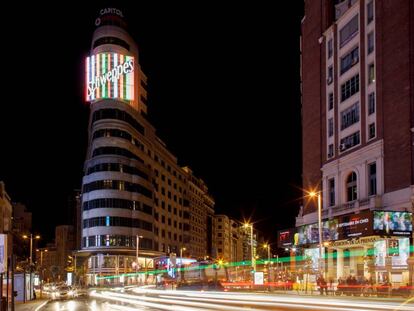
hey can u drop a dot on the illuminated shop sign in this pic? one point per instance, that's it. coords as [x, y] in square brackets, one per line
[109, 75]
[398, 249]
[114, 11]
[355, 225]
[285, 238]
[393, 223]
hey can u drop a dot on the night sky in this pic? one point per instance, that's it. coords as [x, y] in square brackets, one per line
[223, 94]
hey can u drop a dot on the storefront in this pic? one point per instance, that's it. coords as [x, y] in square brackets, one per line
[371, 245]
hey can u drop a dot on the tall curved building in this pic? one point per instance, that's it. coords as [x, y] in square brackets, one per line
[132, 189]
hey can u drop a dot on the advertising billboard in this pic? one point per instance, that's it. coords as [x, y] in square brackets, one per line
[393, 223]
[313, 255]
[355, 225]
[309, 234]
[285, 238]
[109, 75]
[258, 278]
[3, 253]
[399, 251]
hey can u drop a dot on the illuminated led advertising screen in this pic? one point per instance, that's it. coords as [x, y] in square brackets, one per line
[313, 255]
[285, 238]
[355, 225]
[109, 75]
[393, 223]
[309, 234]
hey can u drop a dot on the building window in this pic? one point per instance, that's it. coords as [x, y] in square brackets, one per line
[330, 75]
[330, 101]
[371, 103]
[350, 141]
[372, 178]
[351, 187]
[350, 116]
[350, 87]
[330, 127]
[330, 151]
[371, 131]
[330, 48]
[370, 42]
[371, 73]
[331, 185]
[348, 31]
[370, 12]
[349, 60]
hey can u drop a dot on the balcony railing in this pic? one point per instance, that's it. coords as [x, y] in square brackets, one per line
[373, 202]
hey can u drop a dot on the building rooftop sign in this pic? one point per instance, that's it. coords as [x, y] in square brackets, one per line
[109, 75]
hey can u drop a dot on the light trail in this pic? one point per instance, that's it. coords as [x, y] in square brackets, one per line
[134, 301]
[191, 301]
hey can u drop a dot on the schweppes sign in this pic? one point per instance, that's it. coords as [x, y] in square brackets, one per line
[109, 75]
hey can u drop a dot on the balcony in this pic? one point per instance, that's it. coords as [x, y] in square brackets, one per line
[342, 6]
[371, 203]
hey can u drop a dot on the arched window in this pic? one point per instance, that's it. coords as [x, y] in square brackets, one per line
[351, 187]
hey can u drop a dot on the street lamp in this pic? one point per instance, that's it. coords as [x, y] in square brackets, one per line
[267, 246]
[248, 225]
[181, 254]
[41, 268]
[313, 194]
[41, 255]
[31, 258]
[31, 245]
[137, 252]
[181, 262]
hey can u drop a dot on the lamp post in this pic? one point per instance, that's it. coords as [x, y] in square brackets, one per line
[318, 195]
[137, 253]
[31, 259]
[181, 262]
[41, 269]
[31, 246]
[267, 246]
[247, 225]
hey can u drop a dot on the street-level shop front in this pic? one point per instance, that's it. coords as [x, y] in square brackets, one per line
[371, 246]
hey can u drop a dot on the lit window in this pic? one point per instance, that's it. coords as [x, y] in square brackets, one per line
[371, 73]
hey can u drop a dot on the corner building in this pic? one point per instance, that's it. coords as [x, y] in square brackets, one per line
[357, 69]
[133, 186]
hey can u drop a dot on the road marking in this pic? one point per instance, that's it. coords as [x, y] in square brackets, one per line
[41, 306]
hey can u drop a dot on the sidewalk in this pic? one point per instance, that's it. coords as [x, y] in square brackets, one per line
[32, 305]
[316, 294]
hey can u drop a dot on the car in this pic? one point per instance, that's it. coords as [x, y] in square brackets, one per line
[63, 292]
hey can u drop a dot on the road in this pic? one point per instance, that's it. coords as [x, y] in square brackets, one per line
[148, 299]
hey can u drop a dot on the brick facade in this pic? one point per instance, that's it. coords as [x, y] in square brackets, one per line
[394, 79]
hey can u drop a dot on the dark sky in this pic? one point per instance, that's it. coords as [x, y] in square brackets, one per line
[223, 94]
